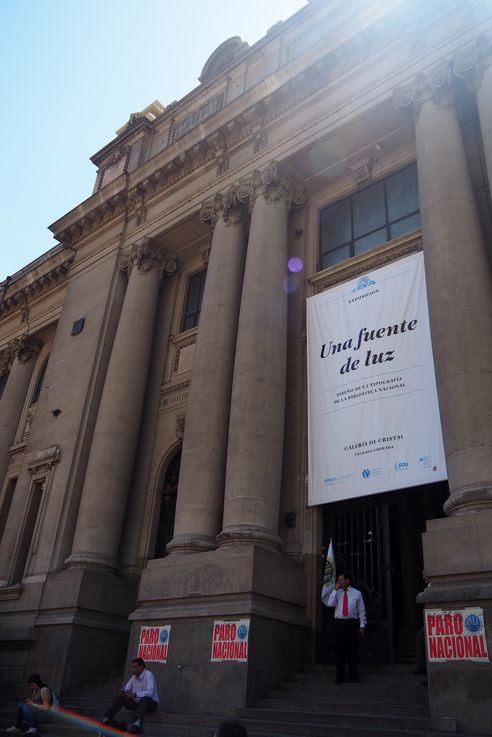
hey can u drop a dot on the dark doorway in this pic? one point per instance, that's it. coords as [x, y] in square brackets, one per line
[379, 539]
[167, 514]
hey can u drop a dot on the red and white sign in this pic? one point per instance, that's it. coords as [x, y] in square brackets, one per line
[230, 641]
[154, 643]
[456, 635]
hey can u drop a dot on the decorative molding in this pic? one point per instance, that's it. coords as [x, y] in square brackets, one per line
[363, 169]
[43, 459]
[180, 427]
[173, 396]
[9, 593]
[23, 295]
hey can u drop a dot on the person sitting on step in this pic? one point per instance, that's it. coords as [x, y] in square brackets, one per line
[139, 695]
[37, 709]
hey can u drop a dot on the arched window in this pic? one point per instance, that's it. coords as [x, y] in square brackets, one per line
[165, 530]
[39, 383]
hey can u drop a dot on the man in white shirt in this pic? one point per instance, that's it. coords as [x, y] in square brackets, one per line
[349, 625]
[139, 695]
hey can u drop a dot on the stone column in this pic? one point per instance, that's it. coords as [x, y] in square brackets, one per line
[256, 429]
[22, 352]
[474, 66]
[459, 291]
[109, 469]
[201, 482]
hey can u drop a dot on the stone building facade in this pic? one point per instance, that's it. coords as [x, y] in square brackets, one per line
[153, 433]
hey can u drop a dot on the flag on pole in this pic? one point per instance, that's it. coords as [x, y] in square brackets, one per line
[329, 579]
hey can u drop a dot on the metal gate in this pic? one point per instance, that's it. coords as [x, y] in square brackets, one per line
[359, 531]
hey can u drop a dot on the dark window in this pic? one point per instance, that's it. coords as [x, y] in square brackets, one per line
[369, 218]
[194, 298]
[3, 383]
[28, 531]
[39, 384]
[165, 531]
[6, 504]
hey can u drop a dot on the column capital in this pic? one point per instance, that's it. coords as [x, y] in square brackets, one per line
[470, 63]
[226, 205]
[433, 84]
[147, 255]
[23, 348]
[276, 183]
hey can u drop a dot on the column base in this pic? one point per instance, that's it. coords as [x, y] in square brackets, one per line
[185, 544]
[249, 535]
[468, 501]
[458, 559]
[191, 593]
[91, 560]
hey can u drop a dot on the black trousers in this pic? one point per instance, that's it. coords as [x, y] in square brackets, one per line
[346, 633]
[146, 705]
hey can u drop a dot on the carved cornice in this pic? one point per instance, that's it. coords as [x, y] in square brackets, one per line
[148, 255]
[470, 63]
[433, 84]
[23, 348]
[16, 296]
[250, 124]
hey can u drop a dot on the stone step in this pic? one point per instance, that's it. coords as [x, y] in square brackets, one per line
[345, 695]
[403, 680]
[353, 717]
[331, 704]
[410, 694]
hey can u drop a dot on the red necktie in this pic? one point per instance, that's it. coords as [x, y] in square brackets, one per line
[345, 604]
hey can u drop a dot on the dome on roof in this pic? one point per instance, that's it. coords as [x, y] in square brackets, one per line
[223, 56]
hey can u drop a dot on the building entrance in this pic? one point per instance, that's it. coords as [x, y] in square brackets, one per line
[379, 539]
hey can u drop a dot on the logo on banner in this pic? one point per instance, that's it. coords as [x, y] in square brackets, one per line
[363, 283]
[456, 635]
[401, 466]
[230, 641]
[154, 643]
[366, 473]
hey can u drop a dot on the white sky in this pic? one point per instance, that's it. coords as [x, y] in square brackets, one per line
[71, 73]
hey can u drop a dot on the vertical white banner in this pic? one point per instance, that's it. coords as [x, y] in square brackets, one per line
[374, 421]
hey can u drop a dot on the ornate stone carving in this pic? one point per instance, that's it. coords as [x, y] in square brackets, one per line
[147, 255]
[276, 183]
[363, 169]
[226, 205]
[23, 348]
[180, 427]
[470, 63]
[434, 84]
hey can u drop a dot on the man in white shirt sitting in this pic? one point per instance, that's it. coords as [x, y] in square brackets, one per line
[349, 625]
[139, 695]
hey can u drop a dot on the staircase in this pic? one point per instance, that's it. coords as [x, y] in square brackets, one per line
[388, 702]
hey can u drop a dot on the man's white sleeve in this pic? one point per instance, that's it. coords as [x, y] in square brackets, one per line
[361, 611]
[332, 599]
[129, 685]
